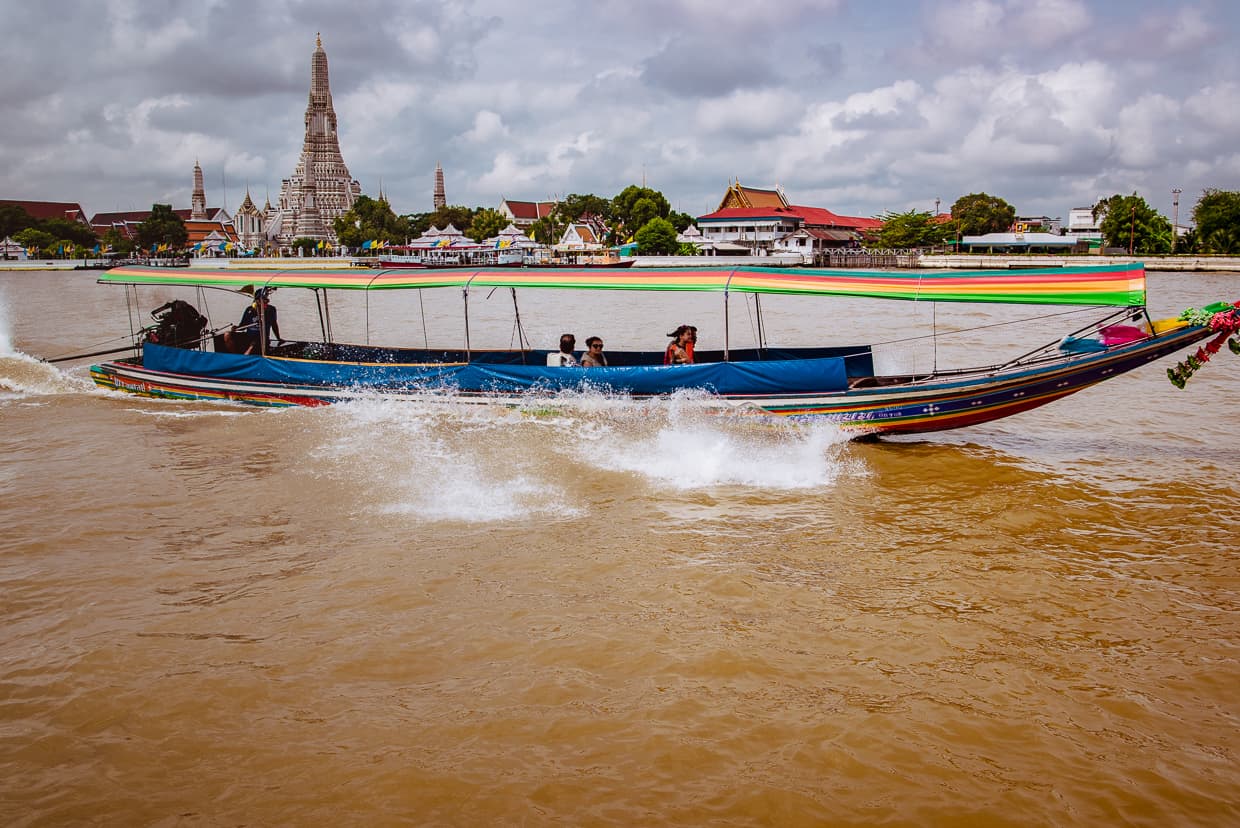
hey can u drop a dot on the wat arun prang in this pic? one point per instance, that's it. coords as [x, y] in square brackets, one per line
[320, 188]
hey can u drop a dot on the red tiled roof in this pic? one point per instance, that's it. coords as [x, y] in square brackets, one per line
[113, 218]
[42, 210]
[199, 230]
[811, 216]
[186, 212]
[825, 218]
[748, 213]
[529, 209]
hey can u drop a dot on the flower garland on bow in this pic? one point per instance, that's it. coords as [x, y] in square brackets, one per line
[1221, 317]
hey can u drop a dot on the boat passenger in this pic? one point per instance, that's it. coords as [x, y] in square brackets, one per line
[680, 349]
[244, 337]
[593, 357]
[563, 357]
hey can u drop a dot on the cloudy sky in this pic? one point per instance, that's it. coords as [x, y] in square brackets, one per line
[859, 107]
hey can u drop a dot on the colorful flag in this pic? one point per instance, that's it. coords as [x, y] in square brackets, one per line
[97, 249]
[366, 245]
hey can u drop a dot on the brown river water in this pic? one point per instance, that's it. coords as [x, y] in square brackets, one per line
[616, 613]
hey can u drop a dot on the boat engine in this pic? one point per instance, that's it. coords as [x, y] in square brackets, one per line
[178, 325]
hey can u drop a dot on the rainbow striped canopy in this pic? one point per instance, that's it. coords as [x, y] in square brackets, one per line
[1122, 285]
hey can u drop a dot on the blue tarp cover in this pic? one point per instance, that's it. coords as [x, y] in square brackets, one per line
[731, 378]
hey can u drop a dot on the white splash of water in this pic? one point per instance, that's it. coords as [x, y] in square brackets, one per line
[24, 376]
[445, 460]
[693, 451]
[439, 461]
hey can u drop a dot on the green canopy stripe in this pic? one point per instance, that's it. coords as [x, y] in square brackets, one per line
[1122, 285]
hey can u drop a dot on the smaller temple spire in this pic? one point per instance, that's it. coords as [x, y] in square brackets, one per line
[440, 199]
[198, 201]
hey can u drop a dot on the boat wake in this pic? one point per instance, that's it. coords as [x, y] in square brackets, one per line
[439, 461]
[24, 376]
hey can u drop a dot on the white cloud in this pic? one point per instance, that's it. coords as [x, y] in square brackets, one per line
[1047, 22]
[1145, 130]
[1216, 110]
[488, 127]
[1044, 102]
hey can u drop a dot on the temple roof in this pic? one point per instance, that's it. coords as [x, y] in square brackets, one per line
[810, 216]
[529, 209]
[201, 230]
[740, 196]
[69, 210]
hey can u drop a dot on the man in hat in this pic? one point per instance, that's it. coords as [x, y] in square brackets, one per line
[260, 318]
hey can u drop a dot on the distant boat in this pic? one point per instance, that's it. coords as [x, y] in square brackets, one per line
[836, 383]
[571, 259]
[474, 256]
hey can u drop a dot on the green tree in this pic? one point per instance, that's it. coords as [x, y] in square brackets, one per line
[1128, 222]
[457, 215]
[978, 213]
[306, 245]
[657, 237]
[1217, 216]
[543, 231]
[13, 218]
[370, 219]
[687, 249]
[915, 228]
[162, 226]
[1222, 240]
[574, 206]
[114, 239]
[634, 207]
[75, 231]
[1188, 243]
[680, 221]
[34, 237]
[486, 223]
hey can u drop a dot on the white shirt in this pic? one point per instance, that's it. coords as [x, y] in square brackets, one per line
[559, 359]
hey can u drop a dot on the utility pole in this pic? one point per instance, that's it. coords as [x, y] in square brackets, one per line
[1175, 217]
[1132, 229]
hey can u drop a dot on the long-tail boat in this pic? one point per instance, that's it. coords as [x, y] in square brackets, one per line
[836, 382]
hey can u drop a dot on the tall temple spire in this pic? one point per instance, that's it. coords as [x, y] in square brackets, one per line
[198, 202]
[440, 199]
[320, 188]
[308, 224]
